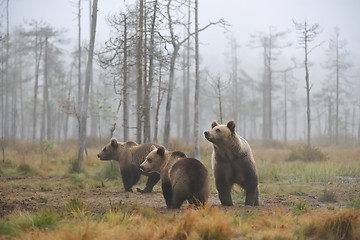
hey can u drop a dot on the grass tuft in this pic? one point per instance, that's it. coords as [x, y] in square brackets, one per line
[76, 208]
[343, 226]
[327, 196]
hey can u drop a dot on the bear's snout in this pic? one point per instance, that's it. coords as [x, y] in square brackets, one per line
[142, 168]
[206, 133]
[98, 155]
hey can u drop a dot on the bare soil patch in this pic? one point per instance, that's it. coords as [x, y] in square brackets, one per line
[17, 193]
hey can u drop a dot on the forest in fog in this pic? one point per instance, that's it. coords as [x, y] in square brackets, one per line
[151, 82]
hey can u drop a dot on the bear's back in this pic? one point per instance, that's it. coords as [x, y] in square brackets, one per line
[140, 151]
[193, 170]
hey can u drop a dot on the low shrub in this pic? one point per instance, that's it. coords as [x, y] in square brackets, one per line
[26, 169]
[307, 154]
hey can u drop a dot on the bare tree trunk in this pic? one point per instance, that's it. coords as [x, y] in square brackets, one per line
[307, 97]
[148, 87]
[197, 85]
[169, 97]
[307, 34]
[159, 99]
[66, 124]
[7, 79]
[337, 89]
[269, 90]
[45, 127]
[79, 59]
[139, 90]
[285, 108]
[38, 53]
[88, 77]
[186, 115]
[265, 122]
[125, 86]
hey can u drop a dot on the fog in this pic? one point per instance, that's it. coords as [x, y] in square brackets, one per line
[225, 51]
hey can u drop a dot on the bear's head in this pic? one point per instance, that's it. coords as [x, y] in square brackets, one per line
[154, 160]
[110, 151]
[220, 132]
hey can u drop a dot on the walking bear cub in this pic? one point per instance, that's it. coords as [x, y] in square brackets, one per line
[130, 155]
[232, 162]
[182, 178]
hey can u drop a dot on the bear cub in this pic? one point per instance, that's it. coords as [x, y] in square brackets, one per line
[233, 163]
[182, 178]
[130, 155]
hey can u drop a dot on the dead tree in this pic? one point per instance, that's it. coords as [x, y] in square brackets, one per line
[307, 34]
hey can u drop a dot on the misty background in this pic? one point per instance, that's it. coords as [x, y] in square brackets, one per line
[251, 43]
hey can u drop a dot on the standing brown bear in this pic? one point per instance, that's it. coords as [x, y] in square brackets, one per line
[232, 162]
[182, 178]
[130, 155]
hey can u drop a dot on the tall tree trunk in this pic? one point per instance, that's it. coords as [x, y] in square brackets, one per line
[269, 100]
[139, 90]
[79, 61]
[265, 134]
[46, 93]
[197, 85]
[7, 78]
[88, 77]
[186, 115]
[285, 108]
[22, 122]
[125, 86]
[307, 97]
[148, 87]
[169, 97]
[337, 90]
[38, 53]
[158, 103]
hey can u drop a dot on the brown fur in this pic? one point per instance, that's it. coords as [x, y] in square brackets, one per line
[233, 162]
[129, 155]
[182, 178]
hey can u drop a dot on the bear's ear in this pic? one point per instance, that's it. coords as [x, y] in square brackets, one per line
[152, 148]
[214, 124]
[161, 151]
[231, 126]
[114, 143]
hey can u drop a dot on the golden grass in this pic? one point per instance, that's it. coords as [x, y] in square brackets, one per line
[207, 223]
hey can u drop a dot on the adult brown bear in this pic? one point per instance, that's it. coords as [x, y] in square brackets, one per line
[182, 178]
[130, 155]
[233, 162]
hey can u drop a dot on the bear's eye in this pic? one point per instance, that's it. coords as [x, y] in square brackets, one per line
[104, 150]
[149, 160]
[217, 130]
